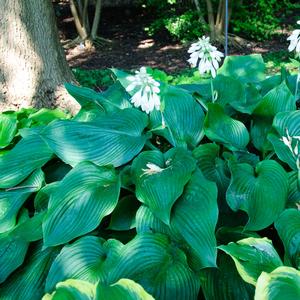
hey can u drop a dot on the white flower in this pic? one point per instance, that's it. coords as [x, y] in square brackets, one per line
[147, 91]
[207, 55]
[294, 39]
[152, 169]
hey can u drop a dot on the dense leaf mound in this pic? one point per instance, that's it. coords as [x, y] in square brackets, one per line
[198, 201]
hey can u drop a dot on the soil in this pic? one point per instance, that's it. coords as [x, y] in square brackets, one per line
[130, 47]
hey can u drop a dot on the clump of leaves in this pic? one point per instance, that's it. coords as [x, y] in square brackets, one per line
[110, 204]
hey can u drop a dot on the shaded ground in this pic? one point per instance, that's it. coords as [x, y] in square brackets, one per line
[131, 47]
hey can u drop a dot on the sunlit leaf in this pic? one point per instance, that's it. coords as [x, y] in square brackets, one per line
[113, 139]
[282, 283]
[29, 154]
[124, 289]
[253, 256]
[247, 68]
[8, 129]
[72, 289]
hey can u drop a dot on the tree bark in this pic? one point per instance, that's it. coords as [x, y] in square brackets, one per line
[32, 63]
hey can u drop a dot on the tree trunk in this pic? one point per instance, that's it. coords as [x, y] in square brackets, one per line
[32, 63]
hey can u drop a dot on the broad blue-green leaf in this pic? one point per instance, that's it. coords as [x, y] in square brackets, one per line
[147, 222]
[269, 83]
[212, 166]
[259, 131]
[160, 179]
[195, 216]
[13, 248]
[183, 118]
[12, 200]
[94, 104]
[113, 139]
[42, 197]
[261, 192]
[253, 97]
[288, 228]
[8, 129]
[29, 154]
[219, 127]
[253, 256]
[224, 282]
[90, 258]
[285, 140]
[72, 289]
[83, 198]
[28, 282]
[279, 99]
[247, 68]
[124, 289]
[123, 216]
[162, 269]
[282, 283]
[294, 191]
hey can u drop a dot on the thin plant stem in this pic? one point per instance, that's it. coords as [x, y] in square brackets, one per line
[297, 83]
[212, 90]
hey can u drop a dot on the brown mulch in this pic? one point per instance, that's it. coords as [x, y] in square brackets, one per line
[131, 47]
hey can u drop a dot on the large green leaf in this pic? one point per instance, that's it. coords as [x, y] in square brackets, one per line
[160, 179]
[261, 192]
[153, 261]
[195, 216]
[113, 139]
[288, 228]
[28, 155]
[124, 289]
[90, 258]
[285, 140]
[247, 68]
[13, 249]
[12, 200]
[94, 104]
[224, 282]
[183, 118]
[72, 289]
[294, 191]
[282, 283]
[44, 116]
[28, 282]
[253, 256]
[86, 195]
[212, 166]
[147, 222]
[277, 100]
[261, 127]
[8, 129]
[219, 127]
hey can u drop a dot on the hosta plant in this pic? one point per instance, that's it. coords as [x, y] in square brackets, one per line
[171, 195]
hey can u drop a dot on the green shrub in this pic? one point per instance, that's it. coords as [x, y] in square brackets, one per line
[259, 20]
[117, 204]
